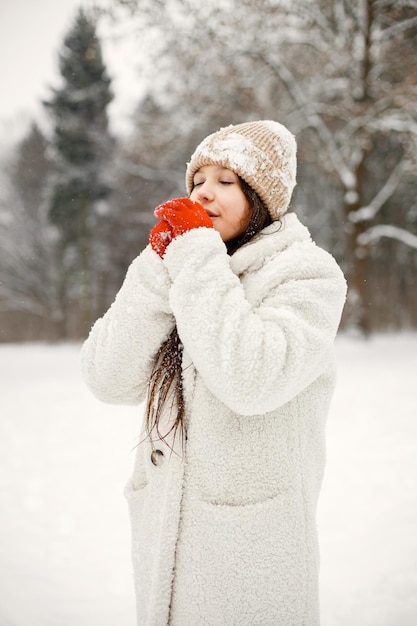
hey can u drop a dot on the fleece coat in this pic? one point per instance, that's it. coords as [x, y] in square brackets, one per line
[224, 531]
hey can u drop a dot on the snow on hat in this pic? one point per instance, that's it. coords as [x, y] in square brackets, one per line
[263, 153]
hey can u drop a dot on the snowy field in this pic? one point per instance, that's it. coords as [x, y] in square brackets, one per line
[64, 459]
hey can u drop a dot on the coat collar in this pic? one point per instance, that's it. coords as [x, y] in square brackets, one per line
[268, 243]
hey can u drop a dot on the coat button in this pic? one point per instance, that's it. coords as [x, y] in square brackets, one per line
[157, 457]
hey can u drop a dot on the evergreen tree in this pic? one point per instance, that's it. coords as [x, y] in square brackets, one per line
[83, 147]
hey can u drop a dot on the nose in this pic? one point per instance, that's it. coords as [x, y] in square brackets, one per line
[204, 192]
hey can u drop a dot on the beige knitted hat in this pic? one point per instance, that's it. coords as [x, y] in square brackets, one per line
[263, 153]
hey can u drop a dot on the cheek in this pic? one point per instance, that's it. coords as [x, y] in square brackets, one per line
[244, 218]
[238, 223]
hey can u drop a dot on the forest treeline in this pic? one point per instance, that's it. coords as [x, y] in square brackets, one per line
[76, 201]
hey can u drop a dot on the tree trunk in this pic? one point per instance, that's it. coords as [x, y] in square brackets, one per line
[358, 255]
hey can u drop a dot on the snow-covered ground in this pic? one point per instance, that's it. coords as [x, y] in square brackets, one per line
[64, 459]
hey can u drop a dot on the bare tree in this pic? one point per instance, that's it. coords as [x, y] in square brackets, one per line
[28, 271]
[342, 74]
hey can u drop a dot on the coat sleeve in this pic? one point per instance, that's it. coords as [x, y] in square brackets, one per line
[118, 355]
[255, 358]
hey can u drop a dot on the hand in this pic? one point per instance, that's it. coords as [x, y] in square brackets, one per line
[182, 215]
[160, 237]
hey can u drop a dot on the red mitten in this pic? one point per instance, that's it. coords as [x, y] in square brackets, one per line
[182, 214]
[160, 237]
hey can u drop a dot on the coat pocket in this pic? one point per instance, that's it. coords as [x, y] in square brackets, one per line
[243, 503]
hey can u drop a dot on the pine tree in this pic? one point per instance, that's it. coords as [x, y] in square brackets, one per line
[83, 146]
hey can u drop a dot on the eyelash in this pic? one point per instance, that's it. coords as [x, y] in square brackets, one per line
[222, 182]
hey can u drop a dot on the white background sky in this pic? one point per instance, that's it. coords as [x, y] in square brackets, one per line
[31, 35]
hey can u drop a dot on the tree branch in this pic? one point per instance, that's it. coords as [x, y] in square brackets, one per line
[366, 213]
[393, 232]
[314, 120]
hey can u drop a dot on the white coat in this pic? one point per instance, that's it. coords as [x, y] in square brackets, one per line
[224, 534]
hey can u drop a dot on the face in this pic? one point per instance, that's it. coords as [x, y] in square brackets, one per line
[218, 190]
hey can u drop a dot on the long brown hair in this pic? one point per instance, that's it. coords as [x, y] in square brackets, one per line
[165, 383]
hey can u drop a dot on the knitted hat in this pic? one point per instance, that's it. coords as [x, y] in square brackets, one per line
[263, 153]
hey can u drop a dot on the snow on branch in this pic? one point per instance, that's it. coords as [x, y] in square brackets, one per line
[400, 27]
[366, 213]
[395, 123]
[393, 232]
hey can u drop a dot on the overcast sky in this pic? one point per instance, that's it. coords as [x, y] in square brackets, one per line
[31, 35]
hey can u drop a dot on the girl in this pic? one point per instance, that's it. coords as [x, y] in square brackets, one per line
[226, 323]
